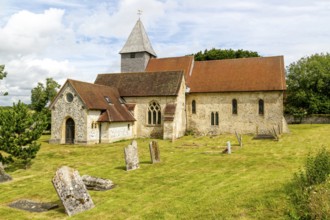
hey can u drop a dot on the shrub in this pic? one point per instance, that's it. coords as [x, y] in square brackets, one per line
[308, 187]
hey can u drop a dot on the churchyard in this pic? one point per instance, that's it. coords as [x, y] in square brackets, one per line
[192, 180]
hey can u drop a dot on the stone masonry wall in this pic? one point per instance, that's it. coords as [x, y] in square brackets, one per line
[141, 127]
[62, 110]
[180, 121]
[247, 120]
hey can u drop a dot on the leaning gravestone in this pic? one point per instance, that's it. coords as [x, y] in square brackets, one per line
[131, 156]
[96, 183]
[72, 191]
[4, 177]
[154, 152]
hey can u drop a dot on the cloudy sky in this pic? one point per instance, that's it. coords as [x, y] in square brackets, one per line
[80, 38]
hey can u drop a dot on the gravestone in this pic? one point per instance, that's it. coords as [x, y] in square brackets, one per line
[32, 206]
[96, 183]
[72, 191]
[228, 147]
[154, 152]
[131, 156]
[4, 177]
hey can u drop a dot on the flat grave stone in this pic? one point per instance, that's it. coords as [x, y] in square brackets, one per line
[32, 206]
[72, 191]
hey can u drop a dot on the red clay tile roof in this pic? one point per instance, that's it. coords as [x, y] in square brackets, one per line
[95, 98]
[236, 75]
[184, 64]
[143, 84]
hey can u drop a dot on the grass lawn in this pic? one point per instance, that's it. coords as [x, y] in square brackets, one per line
[193, 181]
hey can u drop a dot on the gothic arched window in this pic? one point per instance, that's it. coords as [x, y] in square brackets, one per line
[261, 107]
[234, 106]
[193, 106]
[154, 114]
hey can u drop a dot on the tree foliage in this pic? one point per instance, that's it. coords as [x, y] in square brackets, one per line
[42, 95]
[19, 130]
[308, 82]
[220, 54]
[3, 74]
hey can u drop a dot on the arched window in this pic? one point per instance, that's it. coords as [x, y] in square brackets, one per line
[154, 114]
[261, 107]
[234, 106]
[193, 106]
[214, 118]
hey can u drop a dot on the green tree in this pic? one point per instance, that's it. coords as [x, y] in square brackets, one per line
[19, 130]
[220, 54]
[308, 82]
[3, 74]
[42, 95]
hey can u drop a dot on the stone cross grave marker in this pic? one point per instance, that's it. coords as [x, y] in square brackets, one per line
[131, 156]
[154, 152]
[72, 191]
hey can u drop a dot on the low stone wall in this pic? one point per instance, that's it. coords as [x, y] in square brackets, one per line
[312, 119]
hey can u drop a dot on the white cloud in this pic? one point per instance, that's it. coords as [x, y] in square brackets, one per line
[25, 73]
[79, 39]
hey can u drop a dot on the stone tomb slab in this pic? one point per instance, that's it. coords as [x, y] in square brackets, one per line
[154, 152]
[72, 191]
[96, 183]
[131, 156]
[32, 206]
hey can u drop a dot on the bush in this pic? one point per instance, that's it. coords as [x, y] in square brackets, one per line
[308, 191]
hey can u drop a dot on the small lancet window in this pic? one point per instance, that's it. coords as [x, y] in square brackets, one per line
[261, 107]
[193, 106]
[234, 106]
[214, 118]
[132, 55]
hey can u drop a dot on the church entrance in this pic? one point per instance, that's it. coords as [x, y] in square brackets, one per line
[69, 131]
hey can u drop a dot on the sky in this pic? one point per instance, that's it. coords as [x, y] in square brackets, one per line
[79, 39]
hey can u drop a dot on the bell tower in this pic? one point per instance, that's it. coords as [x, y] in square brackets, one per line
[137, 50]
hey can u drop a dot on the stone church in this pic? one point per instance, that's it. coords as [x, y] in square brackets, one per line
[167, 97]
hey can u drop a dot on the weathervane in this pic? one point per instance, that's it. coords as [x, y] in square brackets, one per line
[139, 13]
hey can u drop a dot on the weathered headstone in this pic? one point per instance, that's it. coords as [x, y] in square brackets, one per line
[239, 139]
[131, 156]
[228, 147]
[96, 183]
[4, 177]
[154, 152]
[72, 191]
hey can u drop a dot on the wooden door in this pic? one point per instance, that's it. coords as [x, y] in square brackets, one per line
[69, 131]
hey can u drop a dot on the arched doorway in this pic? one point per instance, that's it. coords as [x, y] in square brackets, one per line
[69, 131]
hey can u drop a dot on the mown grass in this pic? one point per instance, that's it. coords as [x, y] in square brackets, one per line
[193, 181]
